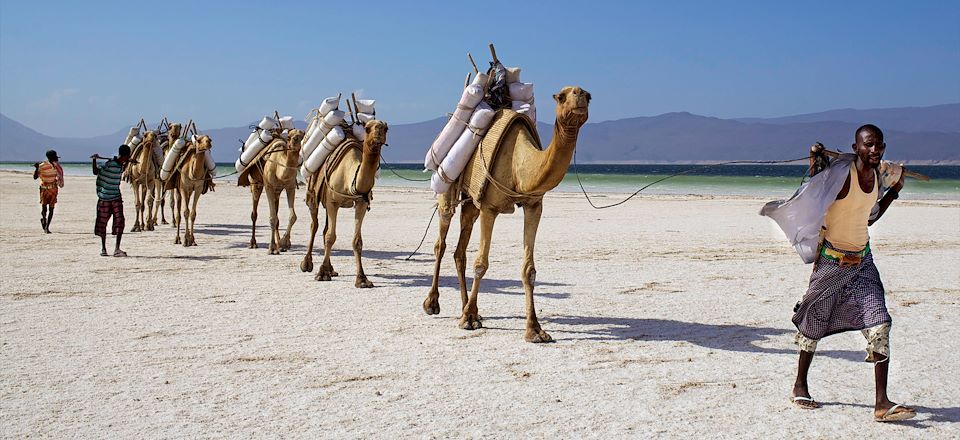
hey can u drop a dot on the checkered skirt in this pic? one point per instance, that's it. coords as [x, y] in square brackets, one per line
[840, 298]
[105, 210]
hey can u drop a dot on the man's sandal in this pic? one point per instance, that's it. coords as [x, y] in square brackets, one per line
[893, 415]
[804, 402]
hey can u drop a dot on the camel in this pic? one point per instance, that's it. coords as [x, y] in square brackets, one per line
[191, 181]
[275, 172]
[344, 180]
[145, 179]
[521, 172]
[173, 132]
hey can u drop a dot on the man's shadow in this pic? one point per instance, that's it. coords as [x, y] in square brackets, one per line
[727, 337]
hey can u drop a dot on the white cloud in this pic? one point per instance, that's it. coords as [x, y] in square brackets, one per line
[51, 103]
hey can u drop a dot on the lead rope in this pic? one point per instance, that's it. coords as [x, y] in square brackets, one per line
[692, 170]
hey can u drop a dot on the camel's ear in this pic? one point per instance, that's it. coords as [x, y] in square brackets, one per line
[559, 97]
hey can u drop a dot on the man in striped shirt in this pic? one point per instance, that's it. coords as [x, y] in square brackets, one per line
[110, 203]
[51, 180]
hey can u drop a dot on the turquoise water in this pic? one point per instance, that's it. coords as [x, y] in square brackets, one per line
[739, 180]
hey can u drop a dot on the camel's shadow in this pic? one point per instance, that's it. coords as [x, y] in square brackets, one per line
[726, 337]
[488, 285]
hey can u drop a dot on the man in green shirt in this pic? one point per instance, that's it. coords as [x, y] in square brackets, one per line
[110, 201]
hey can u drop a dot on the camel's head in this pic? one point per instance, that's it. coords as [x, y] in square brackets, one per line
[149, 137]
[572, 104]
[376, 132]
[295, 140]
[204, 143]
[174, 132]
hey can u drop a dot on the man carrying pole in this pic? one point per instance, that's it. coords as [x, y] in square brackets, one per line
[827, 220]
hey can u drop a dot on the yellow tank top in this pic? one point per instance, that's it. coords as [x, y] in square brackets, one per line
[847, 218]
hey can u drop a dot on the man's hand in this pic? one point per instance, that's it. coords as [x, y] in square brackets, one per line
[36, 165]
[95, 157]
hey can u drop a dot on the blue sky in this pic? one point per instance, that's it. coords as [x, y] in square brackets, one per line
[90, 68]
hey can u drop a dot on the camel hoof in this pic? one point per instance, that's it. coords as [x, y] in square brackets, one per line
[253, 244]
[363, 283]
[164, 222]
[177, 241]
[274, 252]
[150, 227]
[537, 336]
[470, 322]
[325, 273]
[306, 265]
[285, 244]
[431, 305]
[135, 228]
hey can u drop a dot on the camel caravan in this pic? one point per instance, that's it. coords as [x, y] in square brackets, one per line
[489, 158]
[143, 174]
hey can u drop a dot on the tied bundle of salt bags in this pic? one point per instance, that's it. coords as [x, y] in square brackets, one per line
[286, 122]
[133, 137]
[453, 164]
[255, 142]
[328, 116]
[365, 113]
[521, 94]
[171, 160]
[472, 95]
[316, 158]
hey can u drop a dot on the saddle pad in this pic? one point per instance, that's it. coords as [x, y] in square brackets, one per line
[486, 155]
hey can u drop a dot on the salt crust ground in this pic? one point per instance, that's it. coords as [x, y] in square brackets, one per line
[671, 316]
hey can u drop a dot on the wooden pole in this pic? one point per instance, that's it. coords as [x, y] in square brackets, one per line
[353, 119]
[466, 82]
[356, 107]
[818, 148]
[493, 53]
[475, 70]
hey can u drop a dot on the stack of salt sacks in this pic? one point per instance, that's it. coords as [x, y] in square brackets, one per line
[173, 155]
[260, 138]
[323, 136]
[452, 149]
[134, 137]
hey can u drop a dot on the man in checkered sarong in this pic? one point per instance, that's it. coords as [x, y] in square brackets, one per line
[827, 222]
[109, 200]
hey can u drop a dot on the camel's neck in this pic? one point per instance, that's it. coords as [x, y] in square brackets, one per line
[369, 164]
[550, 165]
[290, 162]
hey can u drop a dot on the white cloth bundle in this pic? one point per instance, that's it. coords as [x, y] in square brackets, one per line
[360, 133]
[260, 140]
[211, 165]
[521, 95]
[328, 105]
[134, 132]
[453, 164]
[513, 74]
[366, 106]
[365, 117]
[520, 91]
[157, 151]
[171, 160]
[329, 143]
[133, 142]
[286, 122]
[320, 131]
[267, 123]
[472, 95]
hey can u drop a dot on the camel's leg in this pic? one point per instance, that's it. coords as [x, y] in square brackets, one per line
[255, 192]
[137, 207]
[326, 272]
[273, 197]
[291, 199]
[528, 271]
[175, 202]
[163, 202]
[468, 218]
[431, 305]
[470, 320]
[175, 216]
[151, 205]
[193, 217]
[307, 264]
[360, 211]
[184, 203]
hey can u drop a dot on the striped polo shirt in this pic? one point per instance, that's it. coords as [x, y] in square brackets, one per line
[108, 180]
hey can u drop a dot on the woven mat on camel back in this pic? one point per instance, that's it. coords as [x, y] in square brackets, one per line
[331, 163]
[473, 180]
[258, 162]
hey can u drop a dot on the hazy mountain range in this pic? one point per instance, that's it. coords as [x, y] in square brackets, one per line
[916, 134]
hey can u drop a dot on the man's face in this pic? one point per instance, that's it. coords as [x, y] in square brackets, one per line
[869, 147]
